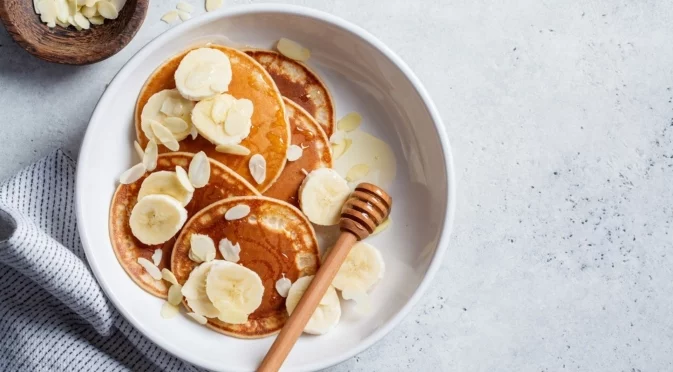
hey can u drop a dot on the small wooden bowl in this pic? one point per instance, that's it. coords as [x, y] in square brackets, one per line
[69, 46]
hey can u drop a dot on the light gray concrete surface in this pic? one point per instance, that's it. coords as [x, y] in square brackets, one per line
[561, 118]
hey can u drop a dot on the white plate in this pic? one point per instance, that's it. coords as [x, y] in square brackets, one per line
[364, 76]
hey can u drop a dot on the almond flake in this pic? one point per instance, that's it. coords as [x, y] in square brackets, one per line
[294, 152]
[48, 12]
[89, 11]
[350, 122]
[164, 135]
[175, 124]
[169, 311]
[233, 149]
[357, 172]
[202, 247]
[183, 15]
[183, 178]
[382, 226]
[199, 170]
[107, 10]
[151, 268]
[257, 167]
[237, 212]
[283, 286]
[132, 174]
[212, 5]
[198, 318]
[230, 252]
[139, 149]
[97, 20]
[340, 148]
[81, 21]
[175, 294]
[194, 133]
[337, 136]
[293, 50]
[170, 17]
[91, 3]
[157, 256]
[168, 276]
[185, 7]
[150, 155]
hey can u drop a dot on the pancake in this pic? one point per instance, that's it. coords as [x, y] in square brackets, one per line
[299, 83]
[275, 239]
[223, 183]
[306, 133]
[270, 133]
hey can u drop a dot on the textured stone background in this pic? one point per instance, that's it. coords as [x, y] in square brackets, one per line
[560, 115]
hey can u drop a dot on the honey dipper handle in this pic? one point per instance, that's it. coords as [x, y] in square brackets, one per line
[309, 302]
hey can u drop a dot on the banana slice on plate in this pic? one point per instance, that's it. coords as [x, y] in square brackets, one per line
[326, 315]
[235, 291]
[321, 196]
[223, 120]
[361, 270]
[165, 183]
[169, 109]
[203, 73]
[194, 291]
[156, 218]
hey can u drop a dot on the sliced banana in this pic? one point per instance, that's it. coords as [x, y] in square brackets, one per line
[326, 315]
[156, 218]
[321, 196]
[361, 270]
[223, 120]
[167, 104]
[203, 73]
[194, 291]
[165, 183]
[234, 290]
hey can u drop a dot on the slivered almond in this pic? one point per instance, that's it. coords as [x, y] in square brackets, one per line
[340, 148]
[139, 149]
[257, 167]
[169, 311]
[350, 122]
[157, 256]
[199, 170]
[283, 286]
[170, 17]
[185, 7]
[233, 149]
[175, 294]
[183, 178]
[294, 152]
[237, 212]
[151, 268]
[150, 156]
[230, 252]
[168, 276]
[132, 174]
[183, 15]
[165, 136]
[293, 50]
[175, 124]
[212, 5]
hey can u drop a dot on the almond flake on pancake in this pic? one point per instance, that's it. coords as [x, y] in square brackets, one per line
[199, 170]
[183, 178]
[257, 167]
[151, 268]
[294, 152]
[202, 247]
[237, 212]
[156, 256]
[229, 251]
[283, 286]
[168, 276]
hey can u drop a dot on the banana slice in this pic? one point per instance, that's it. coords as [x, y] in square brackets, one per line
[203, 73]
[165, 107]
[321, 196]
[223, 120]
[194, 291]
[165, 183]
[156, 218]
[361, 270]
[326, 315]
[235, 291]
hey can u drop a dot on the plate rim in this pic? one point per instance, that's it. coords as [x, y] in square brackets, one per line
[448, 218]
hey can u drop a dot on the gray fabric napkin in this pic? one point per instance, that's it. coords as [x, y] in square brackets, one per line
[53, 314]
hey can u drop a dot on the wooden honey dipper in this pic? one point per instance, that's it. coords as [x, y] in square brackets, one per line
[365, 209]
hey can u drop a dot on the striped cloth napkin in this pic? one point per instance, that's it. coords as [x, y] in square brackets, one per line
[53, 314]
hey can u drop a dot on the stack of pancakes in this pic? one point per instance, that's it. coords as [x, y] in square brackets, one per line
[292, 106]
